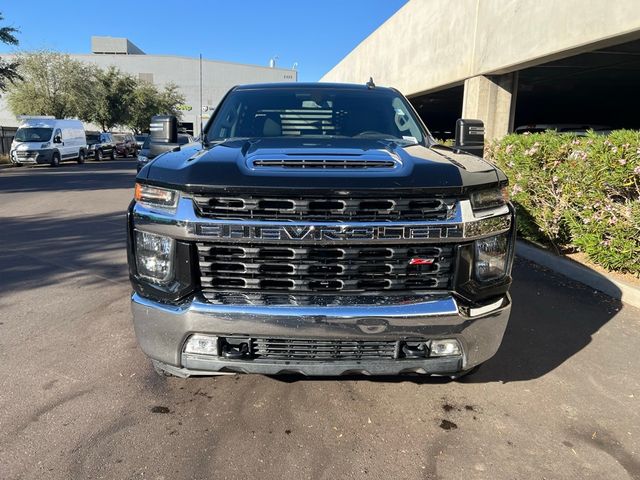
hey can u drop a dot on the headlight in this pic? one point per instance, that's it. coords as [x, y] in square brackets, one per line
[494, 197]
[154, 257]
[45, 145]
[142, 159]
[156, 196]
[491, 257]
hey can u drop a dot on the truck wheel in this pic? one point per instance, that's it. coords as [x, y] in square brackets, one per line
[55, 159]
[81, 157]
[99, 155]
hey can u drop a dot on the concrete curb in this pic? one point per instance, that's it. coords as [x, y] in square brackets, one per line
[629, 294]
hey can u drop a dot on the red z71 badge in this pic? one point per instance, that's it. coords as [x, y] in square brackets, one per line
[421, 261]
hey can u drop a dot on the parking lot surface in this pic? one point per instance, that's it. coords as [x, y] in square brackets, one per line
[79, 400]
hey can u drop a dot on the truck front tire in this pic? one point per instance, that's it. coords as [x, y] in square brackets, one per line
[55, 159]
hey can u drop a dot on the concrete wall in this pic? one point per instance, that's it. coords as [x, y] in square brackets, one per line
[431, 44]
[218, 78]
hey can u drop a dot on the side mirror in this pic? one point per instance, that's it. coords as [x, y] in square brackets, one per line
[470, 136]
[164, 134]
[164, 129]
[57, 139]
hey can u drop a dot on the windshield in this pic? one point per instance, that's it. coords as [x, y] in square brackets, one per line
[93, 138]
[31, 134]
[141, 138]
[118, 138]
[315, 112]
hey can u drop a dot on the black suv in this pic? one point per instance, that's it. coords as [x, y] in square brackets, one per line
[101, 145]
[126, 144]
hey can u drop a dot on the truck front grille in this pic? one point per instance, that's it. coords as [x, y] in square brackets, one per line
[302, 349]
[304, 269]
[323, 208]
[26, 154]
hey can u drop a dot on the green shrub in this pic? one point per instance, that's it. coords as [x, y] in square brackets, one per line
[577, 193]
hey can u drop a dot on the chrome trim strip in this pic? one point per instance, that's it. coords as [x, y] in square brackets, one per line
[443, 306]
[475, 312]
[185, 224]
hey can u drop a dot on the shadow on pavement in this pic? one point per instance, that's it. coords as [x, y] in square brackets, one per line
[69, 176]
[552, 319]
[38, 251]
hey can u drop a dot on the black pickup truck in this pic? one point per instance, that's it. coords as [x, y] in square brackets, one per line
[319, 229]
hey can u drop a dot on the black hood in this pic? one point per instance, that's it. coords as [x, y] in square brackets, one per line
[229, 166]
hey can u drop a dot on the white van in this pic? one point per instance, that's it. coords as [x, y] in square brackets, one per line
[48, 140]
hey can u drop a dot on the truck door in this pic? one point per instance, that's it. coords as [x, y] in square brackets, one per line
[60, 146]
[69, 143]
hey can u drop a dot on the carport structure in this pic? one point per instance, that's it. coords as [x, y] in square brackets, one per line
[507, 63]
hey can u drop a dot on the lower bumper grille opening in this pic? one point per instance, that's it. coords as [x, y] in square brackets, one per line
[289, 349]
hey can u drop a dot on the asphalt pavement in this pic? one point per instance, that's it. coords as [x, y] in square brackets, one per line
[78, 399]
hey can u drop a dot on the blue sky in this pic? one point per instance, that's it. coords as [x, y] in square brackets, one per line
[316, 34]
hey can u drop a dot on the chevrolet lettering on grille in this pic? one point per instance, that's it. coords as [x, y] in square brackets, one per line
[329, 233]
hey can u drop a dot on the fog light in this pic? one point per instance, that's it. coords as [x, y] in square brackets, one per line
[491, 257]
[202, 344]
[445, 347]
[154, 257]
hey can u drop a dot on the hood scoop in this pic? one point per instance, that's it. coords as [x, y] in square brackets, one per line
[325, 163]
[371, 160]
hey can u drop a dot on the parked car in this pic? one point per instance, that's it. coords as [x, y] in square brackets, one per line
[285, 242]
[100, 145]
[125, 144]
[140, 140]
[48, 140]
[144, 155]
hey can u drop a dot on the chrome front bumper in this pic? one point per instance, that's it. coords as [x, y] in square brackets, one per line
[163, 329]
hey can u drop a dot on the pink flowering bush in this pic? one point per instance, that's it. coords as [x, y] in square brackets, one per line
[577, 193]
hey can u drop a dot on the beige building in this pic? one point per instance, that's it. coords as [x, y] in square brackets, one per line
[507, 63]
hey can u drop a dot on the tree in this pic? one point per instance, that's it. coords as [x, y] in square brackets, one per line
[148, 101]
[8, 68]
[52, 84]
[170, 100]
[114, 98]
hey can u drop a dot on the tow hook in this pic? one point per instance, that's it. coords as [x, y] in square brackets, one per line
[236, 352]
[414, 350]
